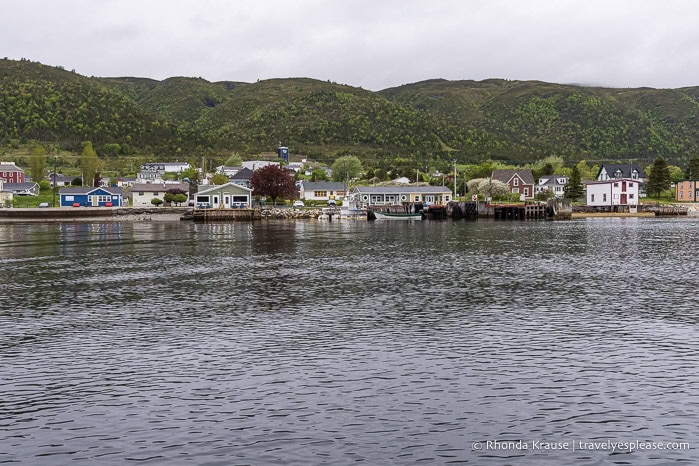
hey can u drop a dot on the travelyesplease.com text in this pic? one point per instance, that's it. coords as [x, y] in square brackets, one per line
[577, 445]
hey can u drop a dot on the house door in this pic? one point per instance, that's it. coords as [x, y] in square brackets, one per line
[226, 201]
[623, 199]
[429, 199]
[215, 201]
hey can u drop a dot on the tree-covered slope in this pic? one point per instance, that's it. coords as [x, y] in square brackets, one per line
[49, 104]
[511, 121]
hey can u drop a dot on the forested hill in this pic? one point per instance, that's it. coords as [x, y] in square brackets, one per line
[512, 121]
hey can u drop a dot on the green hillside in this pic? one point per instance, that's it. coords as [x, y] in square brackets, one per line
[411, 125]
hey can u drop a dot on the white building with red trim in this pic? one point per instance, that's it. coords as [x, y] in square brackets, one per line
[613, 193]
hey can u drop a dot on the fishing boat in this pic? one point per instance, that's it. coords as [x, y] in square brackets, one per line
[392, 216]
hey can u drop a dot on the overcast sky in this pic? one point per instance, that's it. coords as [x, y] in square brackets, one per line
[374, 44]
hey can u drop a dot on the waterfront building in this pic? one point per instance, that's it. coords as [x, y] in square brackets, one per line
[619, 194]
[397, 195]
[520, 181]
[321, 190]
[87, 196]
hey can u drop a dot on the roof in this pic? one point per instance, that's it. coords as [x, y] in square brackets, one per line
[551, 180]
[9, 167]
[243, 174]
[203, 189]
[401, 189]
[61, 177]
[506, 175]
[159, 187]
[625, 168]
[89, 189]
[19, 186]
[323, 186]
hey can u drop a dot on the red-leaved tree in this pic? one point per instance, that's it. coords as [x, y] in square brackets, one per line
[273, 181]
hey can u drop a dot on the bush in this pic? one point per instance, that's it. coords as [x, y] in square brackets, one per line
[44, 185]
[156, 202]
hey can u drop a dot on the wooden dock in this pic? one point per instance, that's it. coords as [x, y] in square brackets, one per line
[520, 212]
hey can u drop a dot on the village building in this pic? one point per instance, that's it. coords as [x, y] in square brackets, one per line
[225, 196]
[11, 173]
[87, 196]
[397, 195]
[618, 194]
[142, 194]
[520, 181]
[257, 164]
[618, 171]
[556, 183]
[321, 190]
[687, 191]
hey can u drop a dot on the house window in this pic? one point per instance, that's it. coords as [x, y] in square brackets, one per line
[417, 198]
[634, 175]
[604, 197]
[515, 190]
[526, 192]
[103, 198]
[630, 196]
[320, 193]
[70, 198]
[592, 198]
[141, 193]
[515, 182]
[616, 185]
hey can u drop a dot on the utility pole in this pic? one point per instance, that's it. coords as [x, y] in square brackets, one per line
[55, 161]
[454, 180]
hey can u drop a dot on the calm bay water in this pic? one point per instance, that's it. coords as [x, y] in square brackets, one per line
[335, 343]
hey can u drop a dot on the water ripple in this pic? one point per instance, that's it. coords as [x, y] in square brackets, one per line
[308, 343]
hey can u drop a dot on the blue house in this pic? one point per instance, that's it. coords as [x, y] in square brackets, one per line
[88, 196]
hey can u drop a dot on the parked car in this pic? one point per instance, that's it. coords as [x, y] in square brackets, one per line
[332, 202]
[298, 203]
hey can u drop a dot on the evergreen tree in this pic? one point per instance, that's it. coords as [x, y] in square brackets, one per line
[692, 172]
[574, 189]
[659, 178]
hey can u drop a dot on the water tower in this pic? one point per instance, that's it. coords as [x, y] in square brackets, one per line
[283, 153]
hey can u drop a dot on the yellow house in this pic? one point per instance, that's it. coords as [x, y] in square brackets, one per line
[5, 196]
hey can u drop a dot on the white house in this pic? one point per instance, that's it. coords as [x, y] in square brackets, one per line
[619, 171]
[556, 183]
[620, 194]
[225, 196]
[321, 190]
[166, 167]
[257, 164]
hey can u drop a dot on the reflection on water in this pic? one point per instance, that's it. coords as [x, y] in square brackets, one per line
[307, 342]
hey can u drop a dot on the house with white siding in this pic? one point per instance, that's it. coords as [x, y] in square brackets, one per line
[321, 190]
[618, 194]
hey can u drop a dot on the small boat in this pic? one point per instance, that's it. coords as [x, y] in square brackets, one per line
[392, 216]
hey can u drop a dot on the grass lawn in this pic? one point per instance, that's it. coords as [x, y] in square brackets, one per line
[34, 201]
